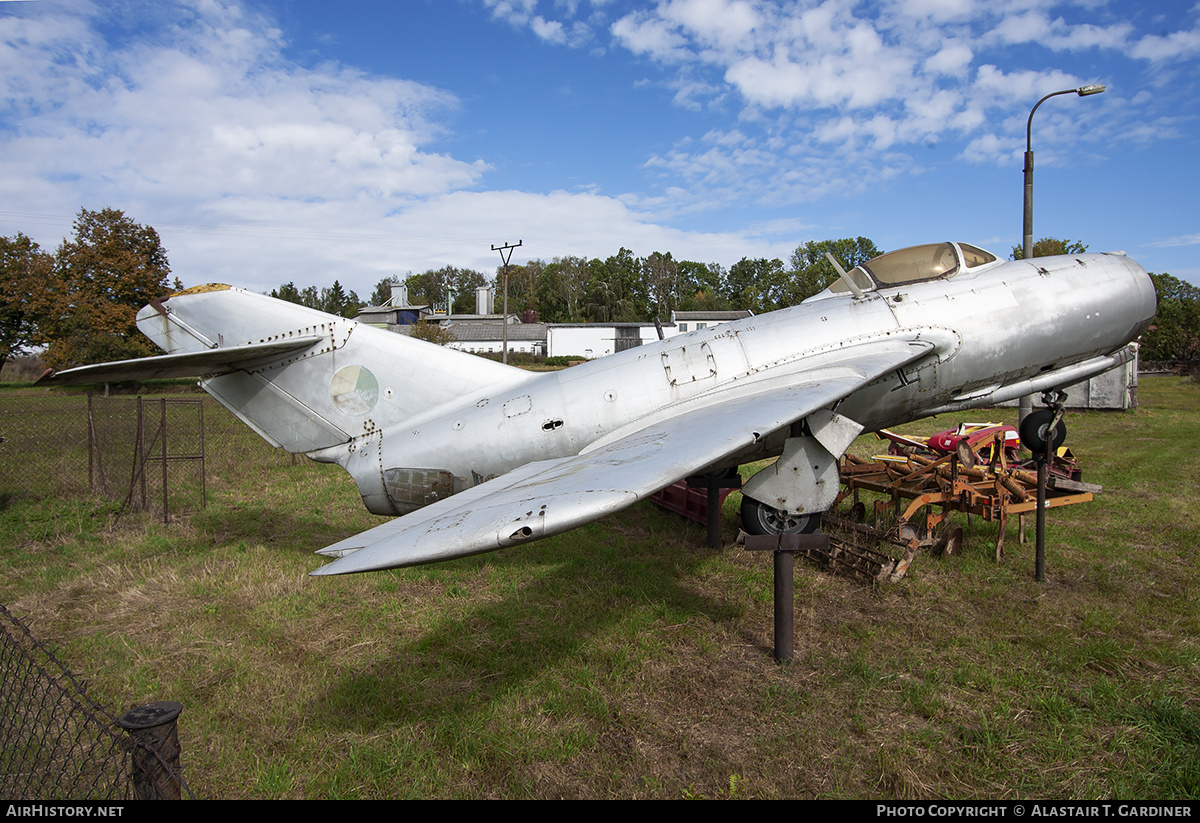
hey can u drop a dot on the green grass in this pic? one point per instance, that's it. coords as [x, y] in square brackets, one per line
[626, 659]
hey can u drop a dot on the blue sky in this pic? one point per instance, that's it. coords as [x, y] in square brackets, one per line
[301, 140]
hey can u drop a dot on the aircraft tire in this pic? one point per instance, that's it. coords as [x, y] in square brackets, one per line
[1034, 431]
[759, 518]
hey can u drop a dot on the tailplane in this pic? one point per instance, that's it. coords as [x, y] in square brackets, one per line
[303, 379]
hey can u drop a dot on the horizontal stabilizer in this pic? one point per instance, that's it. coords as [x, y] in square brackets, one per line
[191, 364]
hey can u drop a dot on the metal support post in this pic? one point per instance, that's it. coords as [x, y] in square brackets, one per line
[156, 752]
[1055, 400]
[712, 512]
[784, 547]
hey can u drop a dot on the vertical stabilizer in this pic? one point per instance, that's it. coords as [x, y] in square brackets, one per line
[353, 380]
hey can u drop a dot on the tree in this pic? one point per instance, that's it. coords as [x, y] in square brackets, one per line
[434, 333]
[616, 290]
[24, 272]
[522, 286]
[701, 287]
[101, 279]
[288, 292]
[1049, 247]
[1174, 334]
[813, 273]
[335, 300]
[432, 286]
[561, 289]
[754, 285]
[383, 290]
[664, 283]
[331, 300]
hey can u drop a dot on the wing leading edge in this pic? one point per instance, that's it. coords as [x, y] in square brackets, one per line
[187, 364]
[548, 497]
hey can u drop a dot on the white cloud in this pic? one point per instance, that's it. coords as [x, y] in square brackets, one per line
[953, 59]
[938, 10]
[550, 31]
[1162, 48]
[258, 171]
[304, 173]
[214, 111]
[1183, 240]
[723, 23]
[643, 34]
[521, 14]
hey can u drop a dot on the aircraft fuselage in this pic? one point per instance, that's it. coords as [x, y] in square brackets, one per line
[990, 328]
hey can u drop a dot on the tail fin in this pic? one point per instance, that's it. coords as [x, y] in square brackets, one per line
[303, 379]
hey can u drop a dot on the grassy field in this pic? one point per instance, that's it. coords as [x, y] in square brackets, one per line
[627, 660]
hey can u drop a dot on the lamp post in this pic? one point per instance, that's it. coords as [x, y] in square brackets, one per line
[1025, 404]
[1082, 91]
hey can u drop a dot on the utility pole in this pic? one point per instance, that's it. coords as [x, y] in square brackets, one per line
[507, 247]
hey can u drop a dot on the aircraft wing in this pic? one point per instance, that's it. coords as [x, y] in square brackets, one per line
[553, 496]
[190, 364]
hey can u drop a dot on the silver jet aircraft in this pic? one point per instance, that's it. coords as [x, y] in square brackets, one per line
[475, 456]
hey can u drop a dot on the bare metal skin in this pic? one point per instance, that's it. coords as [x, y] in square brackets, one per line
[475, 456]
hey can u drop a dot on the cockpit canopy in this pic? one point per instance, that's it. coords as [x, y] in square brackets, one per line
[914, 264]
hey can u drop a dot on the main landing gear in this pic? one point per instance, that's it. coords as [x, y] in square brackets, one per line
[759, 518]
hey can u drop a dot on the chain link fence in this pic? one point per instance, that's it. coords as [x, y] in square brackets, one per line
[161, 453]
[57, 744]
[155, 452]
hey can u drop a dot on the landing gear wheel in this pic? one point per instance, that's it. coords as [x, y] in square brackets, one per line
[759, 518]
[1034, 431]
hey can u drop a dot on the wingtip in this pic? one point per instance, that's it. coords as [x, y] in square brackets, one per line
[335, 552]
[328, 570]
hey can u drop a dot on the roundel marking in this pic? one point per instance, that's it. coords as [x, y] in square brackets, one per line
[354, 390]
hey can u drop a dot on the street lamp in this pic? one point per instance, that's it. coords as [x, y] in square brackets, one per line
[1025, 404]
[1082, 91]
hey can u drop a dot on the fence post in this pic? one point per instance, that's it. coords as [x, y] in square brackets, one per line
[155, 750]
[140, 458]
[163, 425]
[91, 435]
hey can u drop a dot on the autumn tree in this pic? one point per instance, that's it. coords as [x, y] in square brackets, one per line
[101, 278]
[24, 273]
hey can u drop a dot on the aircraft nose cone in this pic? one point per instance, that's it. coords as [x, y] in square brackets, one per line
[1143, 293]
